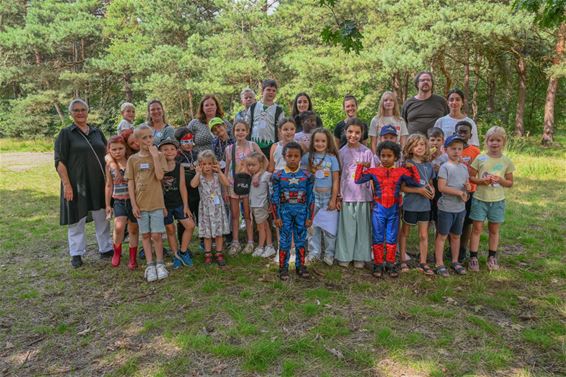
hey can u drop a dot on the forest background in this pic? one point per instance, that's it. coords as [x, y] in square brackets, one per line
[508, 64]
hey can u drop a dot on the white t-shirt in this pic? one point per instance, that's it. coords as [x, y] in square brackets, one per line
[448, 125]
[124, 125]
[259, 195]
[398, 123]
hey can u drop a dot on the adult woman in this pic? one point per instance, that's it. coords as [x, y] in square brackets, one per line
[302, 103]
[79, 160]
[209, 108]
[448, 122]
[388, 113]
[350, 106]
[156, 120]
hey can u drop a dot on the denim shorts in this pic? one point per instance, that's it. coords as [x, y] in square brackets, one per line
[151, 222]
[449, 222]
[174, 213]
[494, 212]
[123, 207]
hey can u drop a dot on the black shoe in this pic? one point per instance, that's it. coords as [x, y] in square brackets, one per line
[76, 261]
[303, 272]
[392, 270]
[107, 254]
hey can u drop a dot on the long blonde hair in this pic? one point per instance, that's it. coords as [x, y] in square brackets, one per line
[411, 143]
[396, 110]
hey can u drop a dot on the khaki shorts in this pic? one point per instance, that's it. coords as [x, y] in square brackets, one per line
[260, 214]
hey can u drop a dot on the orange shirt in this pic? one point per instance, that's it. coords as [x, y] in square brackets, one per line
[468, 156]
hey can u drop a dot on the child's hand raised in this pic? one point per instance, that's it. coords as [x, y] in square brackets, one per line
[198, 168]
[216, 168]
[153, 151]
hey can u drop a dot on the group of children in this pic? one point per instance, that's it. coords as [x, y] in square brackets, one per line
[352, 198]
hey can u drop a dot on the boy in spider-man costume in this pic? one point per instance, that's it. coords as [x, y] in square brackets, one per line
[387, 181]
[293, 208]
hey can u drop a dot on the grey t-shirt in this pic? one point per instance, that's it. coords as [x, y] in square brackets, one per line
[417, 202]
[421, 115]
[259, 195]
[456, 176]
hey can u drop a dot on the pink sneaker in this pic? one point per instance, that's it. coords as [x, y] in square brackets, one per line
[492, 264]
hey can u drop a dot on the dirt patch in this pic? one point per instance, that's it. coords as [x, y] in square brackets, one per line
[22, 161]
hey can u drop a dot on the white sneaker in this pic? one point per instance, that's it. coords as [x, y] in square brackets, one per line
[234, 248]
[328, 260]
[359, 264]
[258, 252]
[162, 272]
[150, 273]
[248, 249]
[269, 251]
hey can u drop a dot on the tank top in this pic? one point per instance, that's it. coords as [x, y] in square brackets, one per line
[119, 184]
[170, 183]
[241, 154]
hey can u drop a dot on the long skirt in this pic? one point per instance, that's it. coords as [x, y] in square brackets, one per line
[353, 241]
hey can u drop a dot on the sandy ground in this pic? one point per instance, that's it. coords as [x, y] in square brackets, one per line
[21, 161]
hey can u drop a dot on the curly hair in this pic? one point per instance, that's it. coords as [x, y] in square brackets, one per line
[410, 145]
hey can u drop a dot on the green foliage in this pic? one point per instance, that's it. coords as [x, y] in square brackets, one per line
[179, 50]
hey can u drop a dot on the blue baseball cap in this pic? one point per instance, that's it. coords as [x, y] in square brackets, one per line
[388, 130]
[451, 139]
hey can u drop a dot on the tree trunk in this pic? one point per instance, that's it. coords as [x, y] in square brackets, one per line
[491, 93]
[128, 93]
[548, 130]
[446, 74]
[476, 87]
[191, 111]
[467, 82]
[396, 85]
[59, 112]
[522, 73]
[406, 87]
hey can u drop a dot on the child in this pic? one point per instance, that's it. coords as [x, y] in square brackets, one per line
[117, 190]
[212, 221]
[388, 114]
[259, 203]
[308, 123]
[286, 129]
[388, 133]
[453, 184]
[437, 158]
[292, 208]
[387, 181]
[221, 141]
[469, 154]
[187, 157]
[235, 156]
[492, 172]
[416, 203]
[353, 240]
[176, 204]
[322, 161]
[144, 173]
[128, 112]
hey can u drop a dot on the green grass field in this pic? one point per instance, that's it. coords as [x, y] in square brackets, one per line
[99, 320]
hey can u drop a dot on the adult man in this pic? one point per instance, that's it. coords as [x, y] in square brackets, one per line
[421, 111]
[264, 117]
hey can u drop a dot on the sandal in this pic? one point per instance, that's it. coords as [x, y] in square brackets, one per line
[283, 274]
[442, 271]
[425, 269]
[458, 268]
[392, 269]
[208, 257]
[404, 267]
[377, 271]
[303, 272]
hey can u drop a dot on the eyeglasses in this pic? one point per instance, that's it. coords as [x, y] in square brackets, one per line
[79, 111]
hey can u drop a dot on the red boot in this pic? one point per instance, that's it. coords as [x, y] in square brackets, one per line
[377, 254]
[132, 265]
[117, 255]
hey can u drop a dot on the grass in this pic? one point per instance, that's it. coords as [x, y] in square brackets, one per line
[104, 321]
[31, 145]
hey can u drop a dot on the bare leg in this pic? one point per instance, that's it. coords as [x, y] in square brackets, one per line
[158, 244]
[146, 242]
[423, 241]
[189, 226]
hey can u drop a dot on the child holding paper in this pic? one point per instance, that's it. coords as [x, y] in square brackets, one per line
[322, 161]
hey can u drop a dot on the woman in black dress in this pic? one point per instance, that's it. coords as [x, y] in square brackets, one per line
[79, 160]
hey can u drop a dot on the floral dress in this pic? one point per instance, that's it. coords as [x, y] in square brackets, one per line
[212, 220]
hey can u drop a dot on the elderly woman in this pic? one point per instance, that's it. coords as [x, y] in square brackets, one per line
[79, 160]
[209, 108]
[156, 120]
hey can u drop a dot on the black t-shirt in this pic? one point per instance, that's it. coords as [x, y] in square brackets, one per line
[170, 183]
[340, 134]
[421, 115]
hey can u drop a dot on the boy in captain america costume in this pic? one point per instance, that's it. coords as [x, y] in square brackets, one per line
[293, 208]
[387, 181]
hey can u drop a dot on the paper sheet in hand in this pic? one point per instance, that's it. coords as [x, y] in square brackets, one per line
[327, 220]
